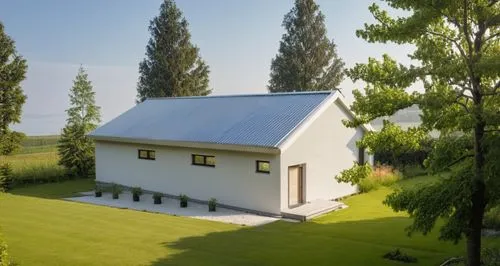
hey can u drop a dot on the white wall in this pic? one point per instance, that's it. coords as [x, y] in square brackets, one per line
[327, 147]
[233, 181]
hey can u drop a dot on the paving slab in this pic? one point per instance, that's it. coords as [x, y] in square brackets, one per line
[171, 206]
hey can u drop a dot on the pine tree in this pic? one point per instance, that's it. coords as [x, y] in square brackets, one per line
[76, 150]
[172, 66]
[12, 71]
[307, 60]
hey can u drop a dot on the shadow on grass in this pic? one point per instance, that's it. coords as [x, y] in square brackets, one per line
[64, 189]
[283, 243]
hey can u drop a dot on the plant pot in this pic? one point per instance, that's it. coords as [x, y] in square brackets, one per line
[184, 204]
[136, 197]
[157, 200]
[115, 196]
[211, 208]
[98, 194]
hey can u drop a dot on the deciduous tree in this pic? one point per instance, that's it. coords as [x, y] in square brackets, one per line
[12, 72]
[457, 60]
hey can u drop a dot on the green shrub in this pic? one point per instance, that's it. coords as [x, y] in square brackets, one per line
[183, 200]
[5, 259]
[492, 218]
[157, 197]
[381, 175]
[397, 255]
[413, 170]
[136, 193]
[212, 204]
[98, 191]
[5, 177]
[367, 184]
[490, 257]
[116, 190]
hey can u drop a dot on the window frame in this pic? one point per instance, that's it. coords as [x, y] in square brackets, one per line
[148, 156]
[258, 170]
[193, 161]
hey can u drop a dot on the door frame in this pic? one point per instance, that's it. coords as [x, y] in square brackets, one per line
[302, 184]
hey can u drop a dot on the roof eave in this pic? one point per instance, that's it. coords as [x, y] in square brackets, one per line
[189, 144]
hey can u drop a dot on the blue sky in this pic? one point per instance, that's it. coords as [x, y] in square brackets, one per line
[237, 38]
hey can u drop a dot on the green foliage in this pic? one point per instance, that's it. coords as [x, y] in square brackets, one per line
[35, 168]
[490, 257]
[413, 170]
[6, 179]
[157, 197]
[10, 141]
[12, 72]
[137, 191]
[212, 204]
[492, 218]
[393, 140]
[173, 66]
[183, 200]
[380, 176]
[116, 190]
[307, 60]
[397, 255]
[457, 60]
[5, 259]
[355, 174]
[76, 149]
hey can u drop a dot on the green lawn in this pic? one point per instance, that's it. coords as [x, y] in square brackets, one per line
[43, 230]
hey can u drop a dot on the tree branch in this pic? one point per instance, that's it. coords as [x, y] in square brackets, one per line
[492, 36]
[465, 29]
[454, 41]
[465, 156]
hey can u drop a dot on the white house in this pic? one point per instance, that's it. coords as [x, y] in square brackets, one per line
[265, 152]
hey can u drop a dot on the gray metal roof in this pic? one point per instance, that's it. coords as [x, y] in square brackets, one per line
[255, 120]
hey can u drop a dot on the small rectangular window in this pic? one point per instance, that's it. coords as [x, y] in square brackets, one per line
[361, 155]
[147, 154]
[203, 160]
[263, 167]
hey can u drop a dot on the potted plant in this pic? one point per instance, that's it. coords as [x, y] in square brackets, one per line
[183, 200]
[157, 197]
[136, 193]
[98, 191]
[212, 204]
[116, 190]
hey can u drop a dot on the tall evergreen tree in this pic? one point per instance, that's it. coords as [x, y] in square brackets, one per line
[172, 66]
[76, 150]
[12, 71]
[307, 60]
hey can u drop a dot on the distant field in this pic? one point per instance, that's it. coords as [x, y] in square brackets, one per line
[38, 144]
[36, 161]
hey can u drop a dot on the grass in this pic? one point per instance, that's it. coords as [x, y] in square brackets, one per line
[36, 162]
[35, 167]
[42, 230]
[382, 175]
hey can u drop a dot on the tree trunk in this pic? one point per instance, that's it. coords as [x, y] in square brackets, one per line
[478, 193]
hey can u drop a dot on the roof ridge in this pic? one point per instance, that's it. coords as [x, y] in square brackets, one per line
[246, 95]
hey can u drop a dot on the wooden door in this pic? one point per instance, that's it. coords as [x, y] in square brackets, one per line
[295, 187]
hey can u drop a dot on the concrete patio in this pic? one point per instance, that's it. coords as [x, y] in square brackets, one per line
[171, 206]
[312, 209]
